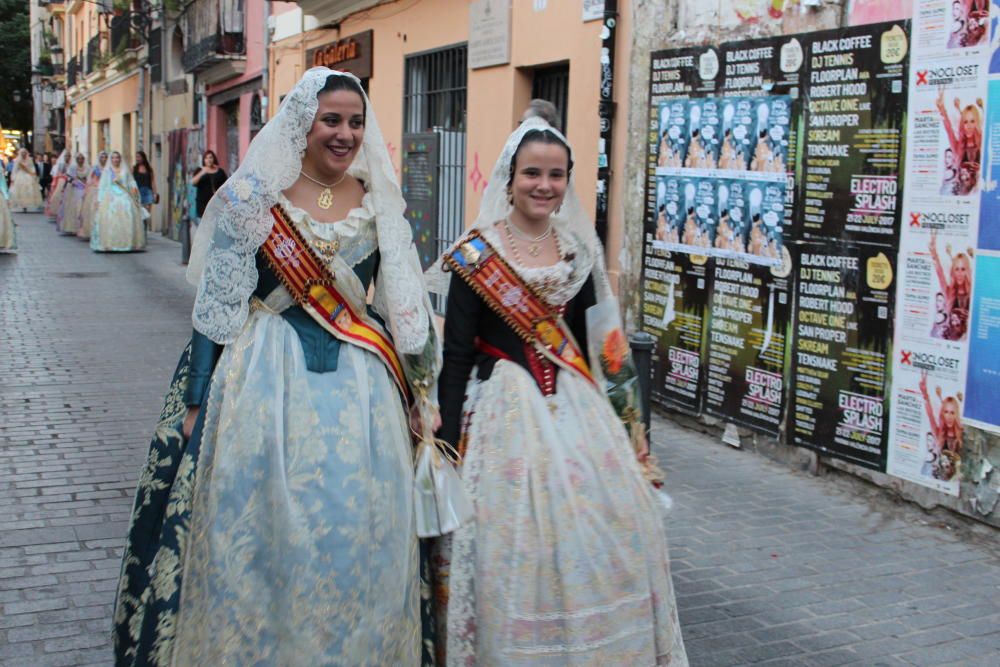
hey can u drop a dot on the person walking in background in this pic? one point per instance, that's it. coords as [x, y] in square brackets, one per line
[119, 224]
[68, 218]
[43, 167]
[142, 172]
[90, 196]
[8, 232]
[25, 192]
[539, 108]
[59, 178]
[207, 180]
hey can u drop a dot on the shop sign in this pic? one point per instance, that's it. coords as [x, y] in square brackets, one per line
[351, 54]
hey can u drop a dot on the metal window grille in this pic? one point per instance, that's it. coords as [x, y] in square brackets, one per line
[435, 102]
[156, 55]
[434, 95]
[552, 84]
[451, 195]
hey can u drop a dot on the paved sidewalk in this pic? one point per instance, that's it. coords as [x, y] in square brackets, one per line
[87, 348]
[771, 567]
[774, 567]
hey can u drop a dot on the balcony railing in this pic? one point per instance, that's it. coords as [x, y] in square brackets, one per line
[93, 53]
[121, 32]
[71, 71]
[212, 50]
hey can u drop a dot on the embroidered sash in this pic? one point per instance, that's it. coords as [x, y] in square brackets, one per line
[493, 279]
[313, 286]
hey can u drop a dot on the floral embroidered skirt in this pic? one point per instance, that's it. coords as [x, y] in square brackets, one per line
[566, 562]
[282, 533]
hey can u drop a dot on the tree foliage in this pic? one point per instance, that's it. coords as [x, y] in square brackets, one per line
[15, 65]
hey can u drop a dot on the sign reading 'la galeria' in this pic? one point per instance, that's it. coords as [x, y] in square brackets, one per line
[351, 54]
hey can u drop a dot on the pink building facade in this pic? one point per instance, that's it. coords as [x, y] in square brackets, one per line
[228, 54]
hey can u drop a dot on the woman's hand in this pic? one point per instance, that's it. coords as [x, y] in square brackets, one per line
[189, 419]
[940, 102]
[416, 421]
[923, 384]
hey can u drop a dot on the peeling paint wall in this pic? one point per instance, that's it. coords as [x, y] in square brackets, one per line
[664, 24]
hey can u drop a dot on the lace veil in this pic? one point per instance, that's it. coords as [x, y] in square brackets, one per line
[237, 221]
[61, 167]
[76, 171]
[108, 175]
[571, 220]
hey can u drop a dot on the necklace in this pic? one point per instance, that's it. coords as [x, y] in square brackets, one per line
[325, 199]
[534, 242]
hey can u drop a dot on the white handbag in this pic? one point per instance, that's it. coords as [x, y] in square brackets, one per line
[439, 498]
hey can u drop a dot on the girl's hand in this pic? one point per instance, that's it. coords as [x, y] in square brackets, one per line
[641, 444]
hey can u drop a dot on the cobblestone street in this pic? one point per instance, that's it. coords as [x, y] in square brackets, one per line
[771, 566]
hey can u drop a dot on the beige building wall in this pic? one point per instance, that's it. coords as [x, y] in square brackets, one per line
[496, 96]
[172, 112]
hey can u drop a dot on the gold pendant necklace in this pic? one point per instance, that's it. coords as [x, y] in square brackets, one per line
[325, 199]
[534, 243]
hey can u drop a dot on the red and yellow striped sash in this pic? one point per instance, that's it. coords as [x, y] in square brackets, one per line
[493, 279]
[313, 287]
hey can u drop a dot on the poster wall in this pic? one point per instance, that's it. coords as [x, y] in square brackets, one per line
[675, 285]
[751, 293]
[855, 118]
[749, 311]
[983, 380]
[841, 351]
[983, 383]
[822, 235]
[937, 257]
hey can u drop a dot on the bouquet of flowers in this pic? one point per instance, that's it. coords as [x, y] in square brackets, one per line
[612, 366]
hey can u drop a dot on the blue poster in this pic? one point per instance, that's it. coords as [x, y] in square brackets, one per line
[983, 381]
[989, 207]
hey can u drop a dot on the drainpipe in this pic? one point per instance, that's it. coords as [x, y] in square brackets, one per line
[141, 106]
[606, 113]
[265, 84]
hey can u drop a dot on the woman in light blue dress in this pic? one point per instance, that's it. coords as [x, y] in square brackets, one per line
[118, 225]
[8, 233]
[274, 520]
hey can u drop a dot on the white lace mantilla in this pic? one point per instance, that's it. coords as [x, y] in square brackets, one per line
[238, 220]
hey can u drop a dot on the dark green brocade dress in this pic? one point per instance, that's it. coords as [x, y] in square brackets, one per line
[250, 614]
